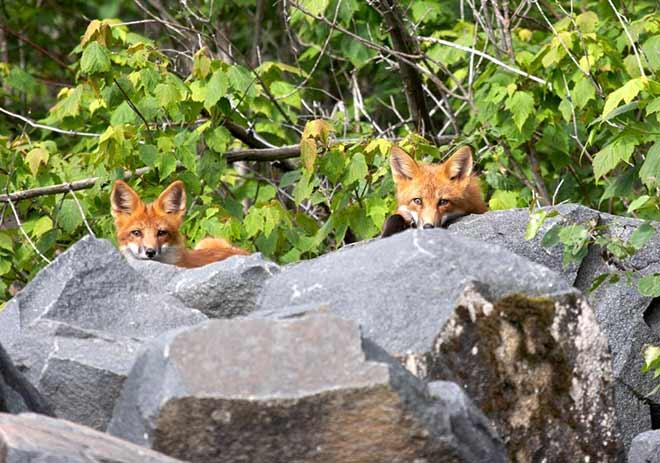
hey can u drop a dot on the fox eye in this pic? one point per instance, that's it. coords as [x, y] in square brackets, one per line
[417, 201]
[137, 233]
[443, 202]
[161, 233]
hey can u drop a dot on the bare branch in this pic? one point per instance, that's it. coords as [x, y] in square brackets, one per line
[406, 43]
[36, 125]
[486, 56]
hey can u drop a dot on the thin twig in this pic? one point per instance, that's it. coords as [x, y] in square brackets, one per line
[36, 125]
[20, 226]
[133, 107]
[486, 56]
[82, 212]
[623, 20]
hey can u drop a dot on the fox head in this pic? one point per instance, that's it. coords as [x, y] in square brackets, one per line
[429, 195]
[149, 231]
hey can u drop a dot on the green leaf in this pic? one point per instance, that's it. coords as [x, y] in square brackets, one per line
[242, 81]
[218, 139]
[637, 203]
[69, 217]
[650, 171]
[651, 49]
[216, 89]
[610, 156]
[6, 242]
[521, 105]
[166, 164]
[35, 158]
[357, 169]
[198, 91]
[641, 236]
[503, 199]
[41, 226]
[253, 223]
[649, 285]
[536, 221]
[148, 155]
[653, 106]
[587, 22]
[583, 92]
[598, 281]
[167, 94]
[551, 237]
[124, 114]
[315, 7]
[626, 93]
[94, 59]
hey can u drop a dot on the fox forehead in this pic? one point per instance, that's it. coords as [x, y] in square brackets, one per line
[147, 217]
[430, 182]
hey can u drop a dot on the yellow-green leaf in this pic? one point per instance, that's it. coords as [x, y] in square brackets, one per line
[35, 158]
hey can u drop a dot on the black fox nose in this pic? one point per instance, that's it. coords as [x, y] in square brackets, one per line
[150, 252]
[427, 226]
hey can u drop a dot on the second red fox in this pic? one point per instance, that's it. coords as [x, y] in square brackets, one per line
[151, 231]
[430, 195]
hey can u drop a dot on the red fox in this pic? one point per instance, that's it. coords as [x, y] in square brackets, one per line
[151, 231]
[430, 195]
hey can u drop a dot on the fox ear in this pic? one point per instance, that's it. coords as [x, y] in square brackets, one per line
[403, 166]
[173, 199]
[123, 199]
[459, 165]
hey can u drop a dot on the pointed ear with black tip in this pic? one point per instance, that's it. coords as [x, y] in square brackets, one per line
[393, 225]
[123, 199]
[459, 165]
[173, 199]
[403, 166]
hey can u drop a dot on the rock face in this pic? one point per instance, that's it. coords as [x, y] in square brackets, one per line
[539, 367]
[36, 438]
[17, 395]
[402, 288]
[533, 359]
[645, 448]
[628, 319]
[75, 329]
[223, 289]
[304, 390]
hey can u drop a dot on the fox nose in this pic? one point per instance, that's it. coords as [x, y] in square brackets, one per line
[427, 226]
[150, 252]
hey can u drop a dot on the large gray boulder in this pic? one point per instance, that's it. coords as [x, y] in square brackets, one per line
[305, 390]
[645, 448]
[408, 292]
[223, 289]
[401, 289]
[17, 394]
[628, 319]
[75, 329]
[30, 438]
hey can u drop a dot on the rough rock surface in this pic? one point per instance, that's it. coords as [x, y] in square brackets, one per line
[303, 390]
[628, 319]
[539, 367]
[645, 448]
[402, 288]
[30, 438]
[431, 270]
[223, 289]
[17, 395]
[75, 329]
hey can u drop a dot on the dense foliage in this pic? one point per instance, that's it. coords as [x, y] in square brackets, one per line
[560, 100]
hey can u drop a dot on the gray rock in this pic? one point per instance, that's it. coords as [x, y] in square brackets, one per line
[17, 395]
[303, 390]
[74, 330]
[91, 286]
[645, 448]
[402, 288]
[507, 228]
[628, 319]
[30, 438]
[538, 367]
[223, 289]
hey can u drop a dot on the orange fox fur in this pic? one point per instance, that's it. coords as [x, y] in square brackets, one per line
[429, 195]
[151, 231]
